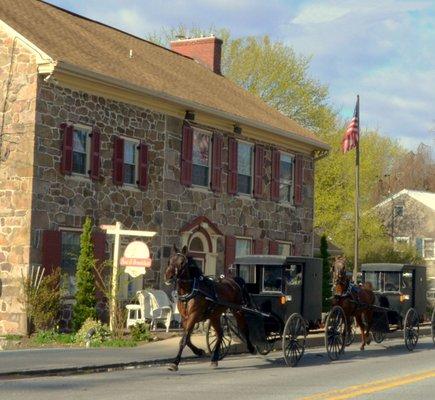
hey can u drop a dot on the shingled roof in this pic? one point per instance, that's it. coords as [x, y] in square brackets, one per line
[101, 49]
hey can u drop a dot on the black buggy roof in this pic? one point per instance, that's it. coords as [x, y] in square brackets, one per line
[388, 267]
[258, 259]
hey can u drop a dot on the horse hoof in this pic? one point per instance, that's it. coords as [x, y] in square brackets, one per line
[201, 353]
[362, 348]
[214, 364]
[173, 367]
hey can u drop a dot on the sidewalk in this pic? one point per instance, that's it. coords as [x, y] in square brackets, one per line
[39, 362]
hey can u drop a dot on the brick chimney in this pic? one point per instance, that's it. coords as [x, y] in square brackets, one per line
[206, 50]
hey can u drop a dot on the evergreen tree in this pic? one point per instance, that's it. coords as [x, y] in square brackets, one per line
[85, 306]
[326, 284]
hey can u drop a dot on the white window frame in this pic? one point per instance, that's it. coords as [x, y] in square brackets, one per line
[401, 239]
[136, 169]
[285, 243]
[210, 148]
[292, 192]
[424, 240]
[252, 272]
[88, 130]
[251, 188]
[73, 230]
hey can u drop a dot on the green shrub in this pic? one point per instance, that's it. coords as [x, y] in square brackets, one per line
[85, 306]
[326, 283]
[101, 332]
[140, 332]
[51, 336]
[43, 300]
[116, 343]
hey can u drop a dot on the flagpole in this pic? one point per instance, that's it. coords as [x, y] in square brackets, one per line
[355, 263]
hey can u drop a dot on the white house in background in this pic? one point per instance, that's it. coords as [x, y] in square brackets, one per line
[409, 217]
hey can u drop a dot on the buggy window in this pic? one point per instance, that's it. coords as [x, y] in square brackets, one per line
[272, 279]
[391, 281]
[293, 275]
[373, 278]
[247, 272]
[407, 280]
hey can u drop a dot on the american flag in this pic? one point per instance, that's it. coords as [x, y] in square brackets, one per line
[351, 137]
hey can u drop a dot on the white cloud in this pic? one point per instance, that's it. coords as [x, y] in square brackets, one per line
[320, 13]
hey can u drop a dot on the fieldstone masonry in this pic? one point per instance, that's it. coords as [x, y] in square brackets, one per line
[35, 196]
[18, 75]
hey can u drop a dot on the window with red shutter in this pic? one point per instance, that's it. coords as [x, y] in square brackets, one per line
[298, 180]
[258, 171]
[273, 247]
[186, 155]
[216, 168]
[118, 161]
[232, 166]
[67, 148]
[275, 175]
[51, 250]
[95, 154]
[143, 166]
[230, 250]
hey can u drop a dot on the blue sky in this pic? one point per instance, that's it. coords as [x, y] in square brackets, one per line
[382, 49]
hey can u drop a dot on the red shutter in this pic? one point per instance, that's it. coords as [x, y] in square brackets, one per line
[258, 171]
[274, 181]
[230, 250]
[143, 166]
[273, 247]
[67, 149]
[216, 166]
[258, 246]
[95, 154]
[186, 156]
[118, 161]
[232, 166]
[51, 250]
[299, 162]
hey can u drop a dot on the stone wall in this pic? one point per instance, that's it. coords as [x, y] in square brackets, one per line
[18, 74]
[64, 201]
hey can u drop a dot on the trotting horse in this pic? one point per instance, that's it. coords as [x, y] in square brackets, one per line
[199, 301]
[354, 300]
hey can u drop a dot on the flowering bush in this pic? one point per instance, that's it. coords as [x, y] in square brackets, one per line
[93, 331]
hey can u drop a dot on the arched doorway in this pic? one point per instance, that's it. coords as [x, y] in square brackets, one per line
[200, 236]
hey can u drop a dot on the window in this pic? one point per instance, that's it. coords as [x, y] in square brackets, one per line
[286, 178]
[293, 275]
[70, 254]
[201, 158]
[272, 279]
[401, 239]
[428, 248]
[130, 162]
[243, 248]
[385, 281]
[284, 249]
[244, 167]
[398, 211]
[80, 154]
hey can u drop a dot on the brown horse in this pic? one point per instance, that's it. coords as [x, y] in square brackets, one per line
[354, 300]
[197, 303]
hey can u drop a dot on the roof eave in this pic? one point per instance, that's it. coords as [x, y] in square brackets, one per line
[66, 67]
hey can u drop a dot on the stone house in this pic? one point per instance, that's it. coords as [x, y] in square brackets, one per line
[97, 122]
[409, 217]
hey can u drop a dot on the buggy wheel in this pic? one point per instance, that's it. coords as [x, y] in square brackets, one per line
[265, 348]
[378, 337]
[335, 333]
[432, 325]
[293, 339]
[211, 338]
[350, 335]
[411, 329]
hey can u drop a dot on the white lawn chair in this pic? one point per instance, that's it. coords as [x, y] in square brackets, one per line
[154, 307]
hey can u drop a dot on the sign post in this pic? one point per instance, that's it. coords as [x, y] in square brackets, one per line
[138, 261]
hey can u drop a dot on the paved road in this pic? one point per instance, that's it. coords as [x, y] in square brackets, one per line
[384, 372]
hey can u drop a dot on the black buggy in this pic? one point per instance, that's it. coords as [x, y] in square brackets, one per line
[285, 301]
[400, 291]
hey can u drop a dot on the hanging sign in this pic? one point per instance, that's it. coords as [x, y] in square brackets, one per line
[136, 259]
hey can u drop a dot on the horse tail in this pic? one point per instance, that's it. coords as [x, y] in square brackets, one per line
[245, 295]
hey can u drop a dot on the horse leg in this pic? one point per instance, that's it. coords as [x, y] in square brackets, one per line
[243, 327]
[360, 323]
[369, 321]
[215, 322]
[196, 350]
[188, 328]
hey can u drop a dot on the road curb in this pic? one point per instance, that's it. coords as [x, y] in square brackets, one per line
[235, 349]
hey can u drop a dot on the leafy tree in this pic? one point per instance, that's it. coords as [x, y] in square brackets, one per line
[85, 306]
[326, 283]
